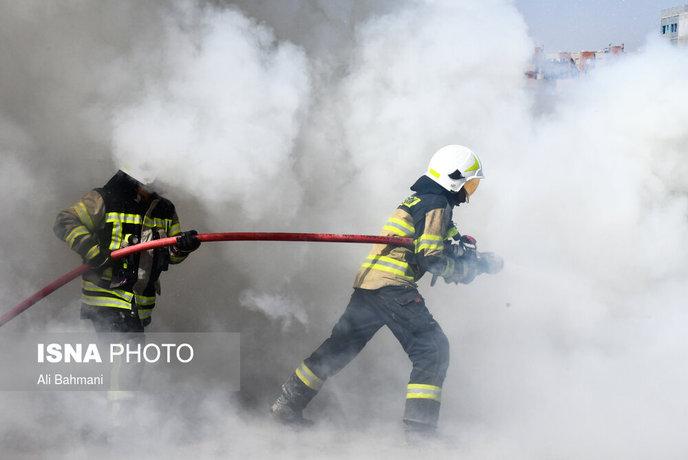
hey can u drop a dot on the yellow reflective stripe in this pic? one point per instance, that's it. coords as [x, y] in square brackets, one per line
[123, 218]
[430, 246]
[395, 230]
[76, 232]
[84, 216]
[123, 302]
[151, 221]
[403, 223]
[105, 302]
[175, 230]
[89, 286]
[429, 241]
[423, 396]
[434, 173]
[176, 259]
[423, 391]
[157, 222]
[397, 262]
[399, 227]
[145, 301]
[305, 381]
[120, 241]
[308, 377]
[430, 236]
[423, 386]
[388, 265]
[452, 232]
[116, 241]
[475, 166]
[94, 251]
[384, 268]
[117, 219]
[311, 375]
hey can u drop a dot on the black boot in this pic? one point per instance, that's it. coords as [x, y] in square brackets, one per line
[420, 420]
[419, 434]
[288, 407]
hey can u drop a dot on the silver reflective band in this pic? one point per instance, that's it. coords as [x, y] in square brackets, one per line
[423, 391]
[309, 378]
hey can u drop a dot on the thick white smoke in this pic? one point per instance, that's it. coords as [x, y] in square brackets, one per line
[276, 307]
[222, 128]
[430, 76]
[16, 186]
[574, 351]
[591, 212]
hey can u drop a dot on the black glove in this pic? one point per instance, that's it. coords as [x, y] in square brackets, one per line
[465, 270]
[100, 262]
[188, 241]
[468, 266]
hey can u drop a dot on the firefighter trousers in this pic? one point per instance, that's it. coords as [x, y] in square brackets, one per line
[403, 310]
[114, 325]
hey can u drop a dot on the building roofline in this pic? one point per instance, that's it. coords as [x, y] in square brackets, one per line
[667, 12]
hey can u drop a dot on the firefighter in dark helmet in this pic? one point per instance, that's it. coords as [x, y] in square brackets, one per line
[385, 294]
[119, 295]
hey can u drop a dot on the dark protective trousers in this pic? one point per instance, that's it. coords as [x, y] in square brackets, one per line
[114, 325]
[107, 319]
[403, 310]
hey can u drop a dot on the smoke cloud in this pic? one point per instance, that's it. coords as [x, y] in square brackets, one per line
[232, 104]
[307, 116]
[276, 307]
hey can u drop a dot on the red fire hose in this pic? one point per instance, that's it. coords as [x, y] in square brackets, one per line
[236, 236]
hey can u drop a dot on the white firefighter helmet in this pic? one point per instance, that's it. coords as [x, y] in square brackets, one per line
[454, 165]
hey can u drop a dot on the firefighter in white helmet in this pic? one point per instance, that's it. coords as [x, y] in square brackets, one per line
[385, 292]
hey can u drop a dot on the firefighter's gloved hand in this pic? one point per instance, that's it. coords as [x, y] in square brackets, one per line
[465, 270]
[100, 262]
[491, 263]
[188, 241]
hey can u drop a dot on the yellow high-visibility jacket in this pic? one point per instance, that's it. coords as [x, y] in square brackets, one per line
[425, 216]
[110, 218]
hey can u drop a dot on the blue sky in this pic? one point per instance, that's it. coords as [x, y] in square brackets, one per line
[575, 25]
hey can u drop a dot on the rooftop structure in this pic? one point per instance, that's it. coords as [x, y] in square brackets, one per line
[565, 64]
[674, 24]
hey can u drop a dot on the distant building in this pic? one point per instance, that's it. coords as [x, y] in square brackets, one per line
[585, 60]
[564, 64]
[674, 24]
[551, 67]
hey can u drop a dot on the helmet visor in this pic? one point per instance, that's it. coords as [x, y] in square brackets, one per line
[470, 186]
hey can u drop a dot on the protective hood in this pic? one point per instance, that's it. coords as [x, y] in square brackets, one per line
[123, 183]
[426, 185]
